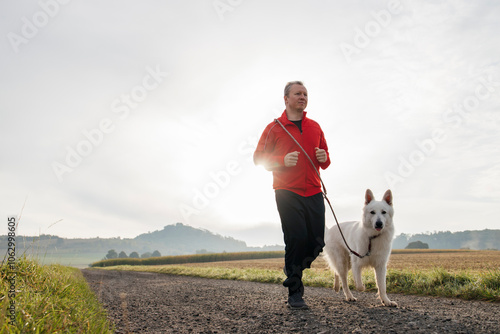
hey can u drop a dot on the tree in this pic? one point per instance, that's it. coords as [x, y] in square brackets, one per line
[134, 255]
[156, 253]
[111, 254]
[417, 245]
[122, 255]
[146, 255]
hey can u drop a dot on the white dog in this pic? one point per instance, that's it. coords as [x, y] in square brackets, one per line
[371, 238]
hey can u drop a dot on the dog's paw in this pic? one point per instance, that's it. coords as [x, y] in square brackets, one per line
[350, 298]
[389, 303]
[360, 287]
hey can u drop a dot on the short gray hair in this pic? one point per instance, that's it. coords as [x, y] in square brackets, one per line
[290, 84]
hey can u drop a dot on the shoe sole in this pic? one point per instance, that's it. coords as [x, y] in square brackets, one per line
[305, 307]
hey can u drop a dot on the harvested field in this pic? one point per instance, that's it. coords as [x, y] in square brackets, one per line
[450, 260]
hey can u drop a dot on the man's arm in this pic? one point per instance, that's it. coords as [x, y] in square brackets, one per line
[322, 153]
[264, 154]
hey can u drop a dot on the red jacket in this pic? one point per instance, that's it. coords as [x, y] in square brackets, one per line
[275, 143]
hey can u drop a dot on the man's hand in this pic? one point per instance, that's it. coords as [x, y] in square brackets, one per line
[321, 155]
[291, 159]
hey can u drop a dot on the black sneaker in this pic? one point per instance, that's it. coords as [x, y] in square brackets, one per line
[296, 302]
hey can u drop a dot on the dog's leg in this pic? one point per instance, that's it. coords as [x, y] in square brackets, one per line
[380, 275]
[356, 273]
[341, 270]
[345, 286]
[336, 285]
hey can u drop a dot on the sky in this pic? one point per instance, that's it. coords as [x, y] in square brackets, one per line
[118, 118]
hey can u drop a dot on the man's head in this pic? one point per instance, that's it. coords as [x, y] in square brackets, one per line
[295, 96]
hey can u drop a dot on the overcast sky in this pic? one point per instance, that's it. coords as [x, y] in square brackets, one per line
[121, 117]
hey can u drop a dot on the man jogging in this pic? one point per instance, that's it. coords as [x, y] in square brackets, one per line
[297, 185]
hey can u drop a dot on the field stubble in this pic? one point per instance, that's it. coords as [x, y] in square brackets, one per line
[421, 260]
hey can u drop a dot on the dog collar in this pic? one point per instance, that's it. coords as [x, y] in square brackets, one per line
[369, 246]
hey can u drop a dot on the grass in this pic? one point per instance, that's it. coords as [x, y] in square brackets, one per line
[49, 299]
[444, 275]
[439, 282]
[66, 259]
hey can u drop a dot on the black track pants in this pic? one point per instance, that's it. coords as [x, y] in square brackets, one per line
[303, 225]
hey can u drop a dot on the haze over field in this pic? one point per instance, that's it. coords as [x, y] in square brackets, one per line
[121, 117]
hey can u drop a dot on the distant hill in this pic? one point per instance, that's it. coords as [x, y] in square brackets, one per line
[183, 239]
[485, 239]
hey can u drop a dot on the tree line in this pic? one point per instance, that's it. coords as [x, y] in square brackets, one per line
[112, 254]
[485, 239]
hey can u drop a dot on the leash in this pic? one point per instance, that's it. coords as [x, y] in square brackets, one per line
[327, 200]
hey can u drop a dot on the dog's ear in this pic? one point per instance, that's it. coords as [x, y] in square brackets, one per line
[388, 197]
[368, 196]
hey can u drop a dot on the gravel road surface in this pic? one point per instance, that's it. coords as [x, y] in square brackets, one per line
[140, 302]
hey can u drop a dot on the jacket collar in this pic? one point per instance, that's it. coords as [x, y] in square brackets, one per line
[284, 120]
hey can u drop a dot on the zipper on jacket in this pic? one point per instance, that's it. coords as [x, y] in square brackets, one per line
[300, 140]
[306, 165]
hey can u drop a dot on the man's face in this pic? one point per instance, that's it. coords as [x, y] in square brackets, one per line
[297, 98]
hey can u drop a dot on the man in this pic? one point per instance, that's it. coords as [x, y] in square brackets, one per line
[297, 185]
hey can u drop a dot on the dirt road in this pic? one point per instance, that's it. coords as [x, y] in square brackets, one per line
[158, 303]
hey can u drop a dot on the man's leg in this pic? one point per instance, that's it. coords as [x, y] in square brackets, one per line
[315, 218]
[292, 213]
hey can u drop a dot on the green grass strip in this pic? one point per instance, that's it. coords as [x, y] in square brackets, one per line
[50, 299]
[438, 282]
